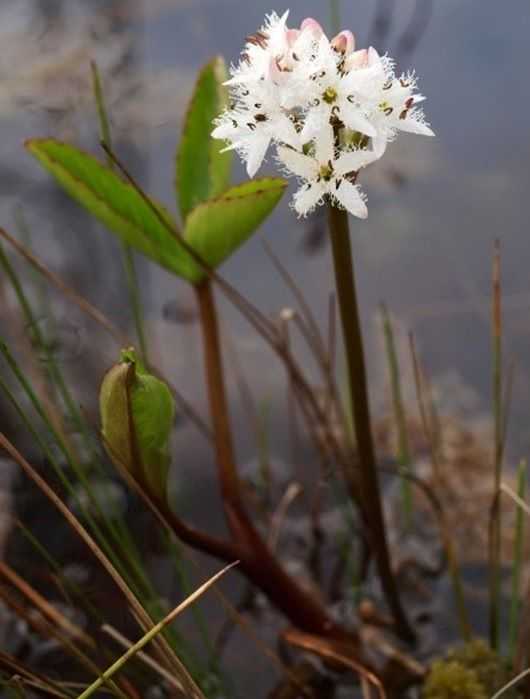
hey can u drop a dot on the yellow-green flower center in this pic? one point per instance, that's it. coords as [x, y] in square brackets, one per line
[386, 107]
[326, 172]
[330, 95]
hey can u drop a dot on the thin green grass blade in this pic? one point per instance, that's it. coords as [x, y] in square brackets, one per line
[400, 418]
[128, 256]
[517, 567]
[334, 16]
[497, 389]
[150, 635]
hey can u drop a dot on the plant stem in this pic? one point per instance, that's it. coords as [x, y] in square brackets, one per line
[495, 528]
[404, 457]
[517, 565]
[334, 16]
[370, 490]
[447, 538]
[224, 447]
[256, 560]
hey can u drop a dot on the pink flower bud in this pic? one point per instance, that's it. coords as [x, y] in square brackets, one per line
[313, 26]
[291, 36]
[373, 56]
[344, 42]
[358, 59]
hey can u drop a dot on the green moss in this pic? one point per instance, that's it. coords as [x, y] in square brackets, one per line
[478, 656]
[449, 679]
[470, 671]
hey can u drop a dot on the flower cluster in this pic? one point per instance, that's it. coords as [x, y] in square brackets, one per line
[329, 109]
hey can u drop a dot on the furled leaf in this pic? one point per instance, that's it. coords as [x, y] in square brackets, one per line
[202, 170]
[112, 201]
[153, 413]
[115, 419]
[137, 414]
[216, 228]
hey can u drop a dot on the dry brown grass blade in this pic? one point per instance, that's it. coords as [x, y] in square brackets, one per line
[505, 488]
[446, 533]
[246, 626]
[63, 287]
[165, 652]
[153, 633]
[333, 651]
[49, 631]
[236, 617]
[315, 338]
[292, 491]
[141, 655]
[39, 682]
[46, 609]
[511, 683]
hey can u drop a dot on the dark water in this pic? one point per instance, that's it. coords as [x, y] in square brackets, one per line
[435, 205]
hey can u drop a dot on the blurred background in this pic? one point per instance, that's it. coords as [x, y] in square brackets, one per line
[436, 205]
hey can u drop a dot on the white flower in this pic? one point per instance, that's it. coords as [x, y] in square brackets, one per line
[325, 173]
[316, 99]
[333, 93]
[254, 123]
[270, 42]
[393, 103]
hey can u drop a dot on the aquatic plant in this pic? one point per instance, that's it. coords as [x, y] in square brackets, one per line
[329, 110]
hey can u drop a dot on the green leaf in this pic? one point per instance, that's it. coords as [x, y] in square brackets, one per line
[216, 228]
[153, 412]
[112, 201]
[137, 414]
[115, 418]
[202, 171]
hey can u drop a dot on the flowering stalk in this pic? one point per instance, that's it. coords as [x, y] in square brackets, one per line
[329, 110]
[370, 491]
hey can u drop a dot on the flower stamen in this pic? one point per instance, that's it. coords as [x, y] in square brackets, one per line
[330, 95]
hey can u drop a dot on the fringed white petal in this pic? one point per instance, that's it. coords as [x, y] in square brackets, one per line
[297, 163]
[256, 147]
[351, 198]
[353, 161]
[307, 197]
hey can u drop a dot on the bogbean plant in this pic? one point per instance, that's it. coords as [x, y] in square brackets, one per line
[329, 110]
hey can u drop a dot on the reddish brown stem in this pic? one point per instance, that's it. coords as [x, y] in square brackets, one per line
[256, 560]
[224, 448]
